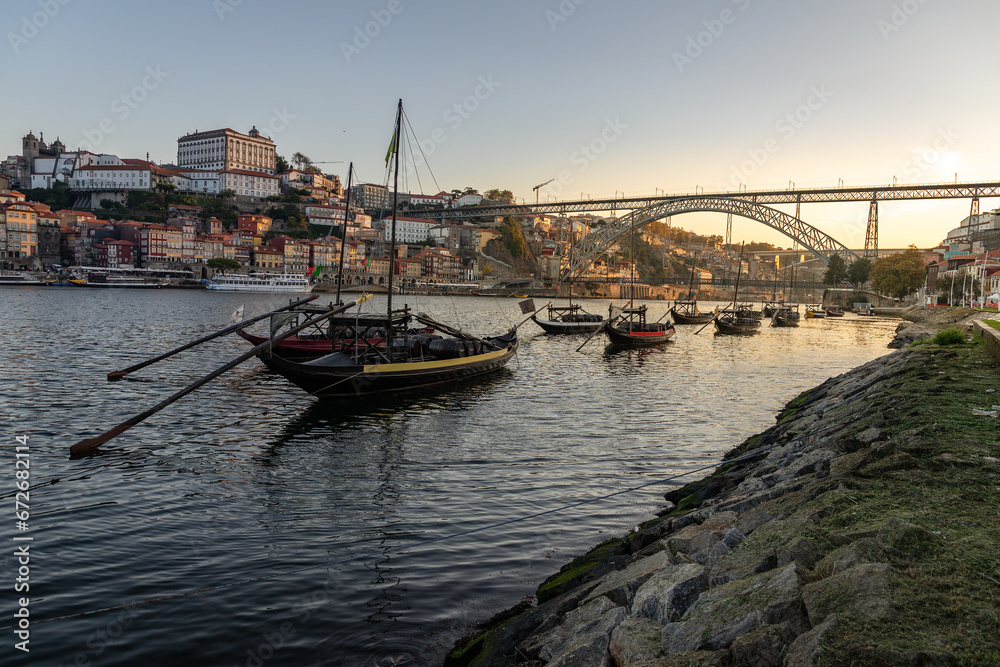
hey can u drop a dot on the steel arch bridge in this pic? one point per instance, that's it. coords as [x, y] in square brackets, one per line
[812, 239]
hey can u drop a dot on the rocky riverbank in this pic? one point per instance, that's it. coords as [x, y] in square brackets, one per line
[861, 529]
[922, 322]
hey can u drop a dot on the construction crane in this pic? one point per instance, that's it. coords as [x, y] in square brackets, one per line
[541, 185]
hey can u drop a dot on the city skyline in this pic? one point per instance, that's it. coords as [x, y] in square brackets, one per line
[633, 98]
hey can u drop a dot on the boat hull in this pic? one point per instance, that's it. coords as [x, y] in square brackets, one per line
[729, 327]
[261, 289]
[126, 285]
[304, 349]
[335, 375]
[556, 327]
[20, 280]
[625, 338]
[834, 313]
[783, 321]
[681, 318]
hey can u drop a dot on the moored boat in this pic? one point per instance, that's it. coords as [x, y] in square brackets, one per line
[126, 282]
[786, 315]
[815, 310]
[259, 282]
[630, 329]
[740, 319]
[686, 312]
[398, 359]
[19, 278]
[834, 311]
[402, 363]
[570, 319]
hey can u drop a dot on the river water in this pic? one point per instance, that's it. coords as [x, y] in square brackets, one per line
[295, 515]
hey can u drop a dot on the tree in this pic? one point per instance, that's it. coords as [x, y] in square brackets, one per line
[951, 289]
[900, 274]
[302, 161]
[513, 237]
[227, 193]
[223, 264]
[487, 269]
[280, 164]
[857, 272]
[836, 270]
[494, 195]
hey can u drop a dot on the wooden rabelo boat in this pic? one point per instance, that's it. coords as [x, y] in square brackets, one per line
[685, 311]
[786, 315]
[741, 318]
[834, 311]
[630, 329]
[406, 362]
[570, 319]
[392, 357]
[335, 334]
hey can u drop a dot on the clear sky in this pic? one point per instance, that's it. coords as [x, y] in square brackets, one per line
[629, 96]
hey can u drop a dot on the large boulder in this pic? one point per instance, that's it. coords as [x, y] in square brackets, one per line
[621, 586]
[598, 616]
[807, 647]
[636, 641]
[722, 615]
[668, 593]
[860, 592]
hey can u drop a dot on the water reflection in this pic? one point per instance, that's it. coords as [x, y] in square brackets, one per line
[251, 477]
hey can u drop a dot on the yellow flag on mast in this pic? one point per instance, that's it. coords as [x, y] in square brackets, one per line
[392, 148]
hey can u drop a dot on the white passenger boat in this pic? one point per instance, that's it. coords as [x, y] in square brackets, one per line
[259, 282]
[18, 278]
[126, 282]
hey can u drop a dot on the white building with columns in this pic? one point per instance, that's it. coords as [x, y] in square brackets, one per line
[225, 150]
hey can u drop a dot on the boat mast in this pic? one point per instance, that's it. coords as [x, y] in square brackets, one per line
[572, 246]
[691, 283]
[343, 241]
[631, 280]
[392, 235]
[739, 270]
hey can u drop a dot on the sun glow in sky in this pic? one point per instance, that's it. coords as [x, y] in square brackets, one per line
[636, 97]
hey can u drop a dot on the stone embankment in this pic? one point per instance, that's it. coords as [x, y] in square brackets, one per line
[860, 529]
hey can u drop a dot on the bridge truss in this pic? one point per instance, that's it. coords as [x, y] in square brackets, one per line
[599, 241]
[747, 203]
[793, 196]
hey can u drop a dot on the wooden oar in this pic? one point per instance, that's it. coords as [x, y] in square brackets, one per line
[713, 319]
[118, 375]
[533, 314]
[89, 444]
[598, 330]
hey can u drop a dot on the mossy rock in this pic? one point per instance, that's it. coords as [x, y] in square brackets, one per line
[576, 572]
